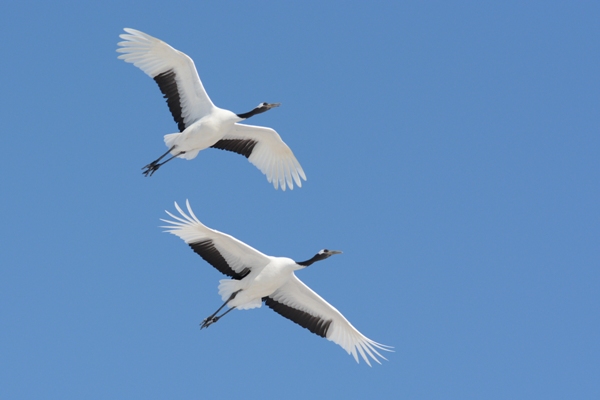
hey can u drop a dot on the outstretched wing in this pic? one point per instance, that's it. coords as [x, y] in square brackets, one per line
[297, 302]
[224, 252]
[173, 71]
[264, 148]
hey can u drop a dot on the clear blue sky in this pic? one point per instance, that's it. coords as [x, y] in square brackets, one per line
[451, 152]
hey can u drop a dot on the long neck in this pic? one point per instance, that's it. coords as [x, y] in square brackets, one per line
[317, 257]
[249, 114]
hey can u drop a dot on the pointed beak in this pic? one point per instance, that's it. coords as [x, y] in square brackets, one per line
[335, 252]
[272, 105]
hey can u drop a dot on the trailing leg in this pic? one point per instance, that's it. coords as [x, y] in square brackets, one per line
[214, 318]
[154, 165]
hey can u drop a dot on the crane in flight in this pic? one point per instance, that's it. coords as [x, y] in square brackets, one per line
[202, 124]
[258, 278]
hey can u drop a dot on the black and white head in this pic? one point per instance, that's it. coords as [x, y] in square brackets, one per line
[261, 108]
[321, 255]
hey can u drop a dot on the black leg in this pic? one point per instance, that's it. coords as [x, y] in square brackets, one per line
[154, 165]
[213, 318]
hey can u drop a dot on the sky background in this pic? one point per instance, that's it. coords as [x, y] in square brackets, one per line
[451, 152]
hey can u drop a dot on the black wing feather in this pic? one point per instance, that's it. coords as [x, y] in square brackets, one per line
[240, 146]
[168, 86]
[207, 250]
[314, 324]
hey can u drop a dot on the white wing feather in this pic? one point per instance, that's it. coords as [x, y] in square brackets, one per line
[236, 253]
[296, 294]
[153, 56]
[270, 155]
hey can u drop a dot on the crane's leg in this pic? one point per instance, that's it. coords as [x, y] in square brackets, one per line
[154, 165]
[214, 318]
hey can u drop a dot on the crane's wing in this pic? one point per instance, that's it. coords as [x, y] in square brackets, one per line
[224, 252]
[297, 302]
[174, 72]
[264, 148]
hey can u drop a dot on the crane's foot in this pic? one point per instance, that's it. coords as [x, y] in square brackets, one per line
[209, 321]
[154, 165]
[151, 168]
[214, 318]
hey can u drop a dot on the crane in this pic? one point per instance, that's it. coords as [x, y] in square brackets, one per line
[258, 278]
[202, 124]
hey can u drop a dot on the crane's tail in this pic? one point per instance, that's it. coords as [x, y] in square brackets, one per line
[171, 140]
[229, 286]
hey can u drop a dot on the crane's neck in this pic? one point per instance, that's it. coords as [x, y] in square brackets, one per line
[317, 257]
[261, 108]
[257, 110]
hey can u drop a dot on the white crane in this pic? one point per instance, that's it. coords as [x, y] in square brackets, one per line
[258, 277]
[202, 124]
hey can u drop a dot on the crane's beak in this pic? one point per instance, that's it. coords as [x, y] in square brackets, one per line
[335, 252]
[272, 105]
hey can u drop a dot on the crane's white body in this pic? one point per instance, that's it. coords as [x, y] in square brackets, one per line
[265, 278]
[202, 134]
[259, 283]
[201, 123]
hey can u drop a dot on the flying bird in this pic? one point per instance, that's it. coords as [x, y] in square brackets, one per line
[258, 278]
[202, 124]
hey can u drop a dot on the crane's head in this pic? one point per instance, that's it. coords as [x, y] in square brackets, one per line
[321, 255]
[261, 108]
[267, 106]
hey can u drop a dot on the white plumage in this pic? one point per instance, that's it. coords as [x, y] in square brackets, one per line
[201, 123]
[258, 277]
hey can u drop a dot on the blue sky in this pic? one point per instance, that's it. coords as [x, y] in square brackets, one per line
[451, 152]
